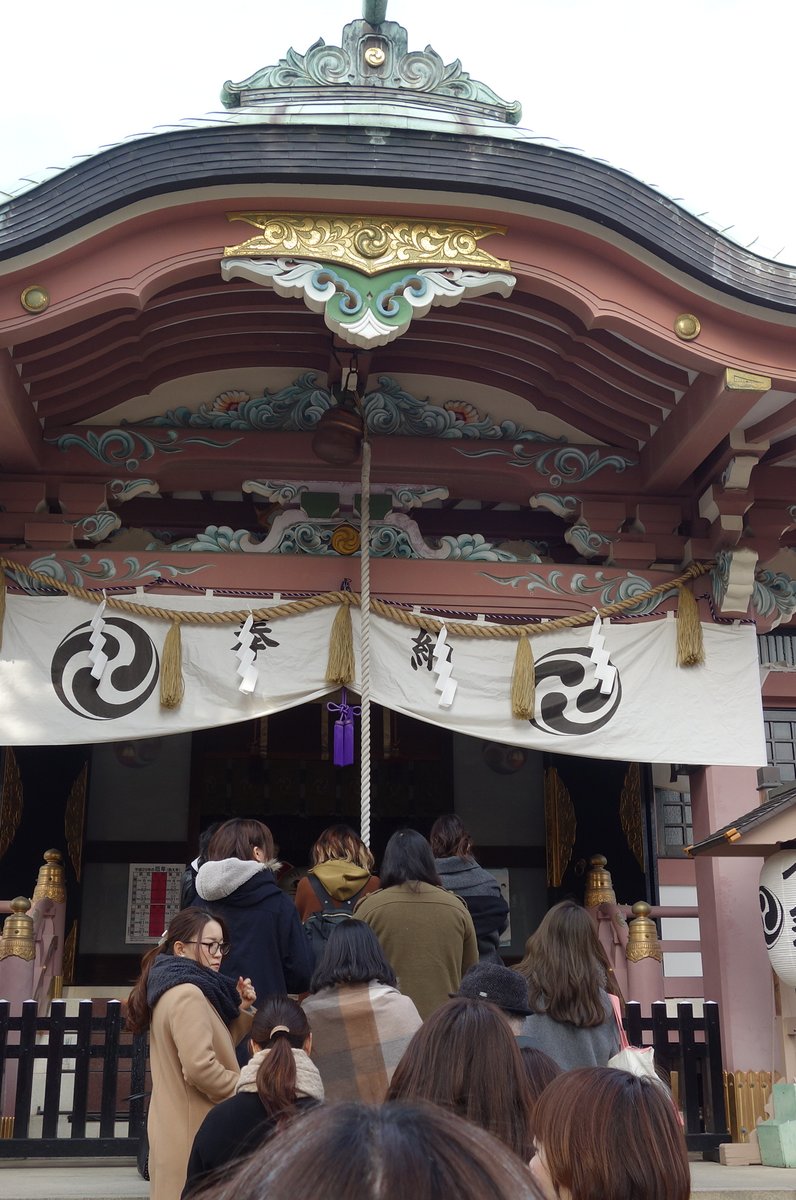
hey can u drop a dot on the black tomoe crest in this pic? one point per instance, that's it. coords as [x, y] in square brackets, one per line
[568, 698]
[773, 915]
[129, 679]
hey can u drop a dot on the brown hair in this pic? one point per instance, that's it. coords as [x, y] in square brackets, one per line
[185, 926]
[540, 1069]
[583, 1121]
[239, 838]
[340, 841]
[564, 967]
[276, 1076]
[465, 1058]
[365, 1152]
[449, 838]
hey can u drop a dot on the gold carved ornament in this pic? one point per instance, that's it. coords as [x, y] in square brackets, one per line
[74, 817]
[599, 885]
[370, 244]
[70, 953]
[10, 801]
[345, 540]
[560, 826]
[18, 940]
[630, 812]
[50, 883]
[642, 941]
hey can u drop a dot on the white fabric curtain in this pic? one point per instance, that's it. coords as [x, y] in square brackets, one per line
[655, 711]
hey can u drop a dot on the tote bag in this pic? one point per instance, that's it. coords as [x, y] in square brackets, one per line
[638, 1060]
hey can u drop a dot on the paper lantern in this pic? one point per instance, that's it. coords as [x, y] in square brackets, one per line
[778, 910]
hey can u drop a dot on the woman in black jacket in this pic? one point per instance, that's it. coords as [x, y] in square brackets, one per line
[452, 848]
[279, 1081]
[238, 884]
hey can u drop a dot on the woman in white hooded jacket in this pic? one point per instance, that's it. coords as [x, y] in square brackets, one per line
[238, 884]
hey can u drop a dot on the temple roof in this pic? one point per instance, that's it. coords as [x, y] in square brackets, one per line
[757, 833]
[371, 56]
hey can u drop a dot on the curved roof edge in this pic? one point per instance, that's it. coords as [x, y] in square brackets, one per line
[444, 156]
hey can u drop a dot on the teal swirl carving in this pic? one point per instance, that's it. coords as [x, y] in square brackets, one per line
[129, 447]
[774, 593]
[607, 591]
[295, 408]
[568, 464]
[389, 409]
[315, 538]
[82, 571]
[216, 539]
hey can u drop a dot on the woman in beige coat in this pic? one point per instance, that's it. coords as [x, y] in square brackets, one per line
[196, 1018]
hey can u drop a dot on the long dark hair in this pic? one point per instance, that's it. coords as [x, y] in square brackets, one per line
[465, 1058]
[408, 859]
[582, 1121]
[352, 955]
[564, 967]
[238, 838]
[449, 838]
[368, 1152]
[185, 926]
[276, 1075]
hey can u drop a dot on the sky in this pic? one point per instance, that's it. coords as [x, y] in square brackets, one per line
[696, 98]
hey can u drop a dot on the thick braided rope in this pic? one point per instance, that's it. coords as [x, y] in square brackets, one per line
[381, 607]
[364, 649]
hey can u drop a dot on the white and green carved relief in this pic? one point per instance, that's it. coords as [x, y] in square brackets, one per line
[362, 310]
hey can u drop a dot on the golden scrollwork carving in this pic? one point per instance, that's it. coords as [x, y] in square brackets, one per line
[50, 883]
[370, 244]
[630, 812]
[74, 817]
[70, 952]
[560, 826]
[10, 801]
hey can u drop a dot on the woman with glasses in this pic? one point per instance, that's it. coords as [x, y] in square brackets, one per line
[195, 1017]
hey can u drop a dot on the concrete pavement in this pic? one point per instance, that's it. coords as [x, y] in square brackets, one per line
[70, 1180]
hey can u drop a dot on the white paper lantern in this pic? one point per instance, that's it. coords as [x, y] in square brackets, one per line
[778, 910]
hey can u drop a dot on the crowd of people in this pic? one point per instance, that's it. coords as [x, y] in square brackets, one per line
[364, 1039]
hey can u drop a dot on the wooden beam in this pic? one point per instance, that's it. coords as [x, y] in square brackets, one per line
[22, 436]
[781, 421]
[781, 451]
[709, 410]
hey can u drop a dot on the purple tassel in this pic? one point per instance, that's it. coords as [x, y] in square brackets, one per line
[344, 730]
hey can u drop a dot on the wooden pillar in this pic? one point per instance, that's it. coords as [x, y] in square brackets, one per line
[17, 950]
[50, 888]
[735, 965]
[644, 959]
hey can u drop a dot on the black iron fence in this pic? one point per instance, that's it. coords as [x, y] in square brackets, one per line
[89, 1097]
[688, 1054]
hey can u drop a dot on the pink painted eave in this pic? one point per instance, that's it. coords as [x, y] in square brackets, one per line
[605, 284]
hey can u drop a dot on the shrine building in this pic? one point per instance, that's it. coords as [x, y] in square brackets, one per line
[381, 403]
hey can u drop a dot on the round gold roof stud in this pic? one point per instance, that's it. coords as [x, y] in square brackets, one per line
[35, 299]
[687, 327]
[375, 56]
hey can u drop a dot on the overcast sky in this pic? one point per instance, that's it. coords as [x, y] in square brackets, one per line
[696, 98]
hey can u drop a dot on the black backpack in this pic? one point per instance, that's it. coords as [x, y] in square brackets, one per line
[319, 925]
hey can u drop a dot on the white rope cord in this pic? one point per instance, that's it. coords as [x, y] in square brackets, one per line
[364, 647]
